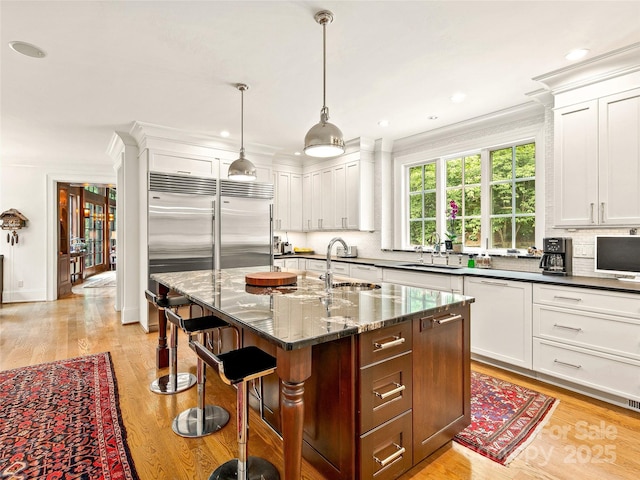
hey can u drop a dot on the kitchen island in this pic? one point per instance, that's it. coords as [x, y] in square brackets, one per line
[371, 379]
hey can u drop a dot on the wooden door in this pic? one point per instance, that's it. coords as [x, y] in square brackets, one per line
[441, 380]
[64, 271]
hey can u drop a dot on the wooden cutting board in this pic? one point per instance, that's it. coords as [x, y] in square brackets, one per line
[270, 279]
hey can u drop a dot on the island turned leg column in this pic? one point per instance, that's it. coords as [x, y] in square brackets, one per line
[293, 367]
[162, 351]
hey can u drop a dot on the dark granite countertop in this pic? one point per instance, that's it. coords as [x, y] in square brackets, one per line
[610, 284]
[305, 314]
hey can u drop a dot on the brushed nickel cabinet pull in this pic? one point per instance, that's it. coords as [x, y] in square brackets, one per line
[592, 219]
[399, 388]
[498, 284]
[394, 456]
[393, 343]
[567, 364]
[573, 299]
[575, 329]
[450, 318]
[602, 212]
[184, 171]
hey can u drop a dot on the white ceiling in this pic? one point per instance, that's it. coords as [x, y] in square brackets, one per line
[174, 63]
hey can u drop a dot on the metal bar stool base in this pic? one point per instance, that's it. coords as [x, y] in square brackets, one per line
[192, 424]
[165, 386]
[258, 469]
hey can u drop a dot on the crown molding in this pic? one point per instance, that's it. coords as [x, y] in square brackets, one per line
[597, 69]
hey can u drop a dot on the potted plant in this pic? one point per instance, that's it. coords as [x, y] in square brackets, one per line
[451, 243]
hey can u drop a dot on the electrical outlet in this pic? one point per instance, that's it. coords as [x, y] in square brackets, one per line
[583, 251]
[20, 283]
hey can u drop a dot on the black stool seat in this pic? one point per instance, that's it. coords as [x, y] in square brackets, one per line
[245, 364]
[167, 302]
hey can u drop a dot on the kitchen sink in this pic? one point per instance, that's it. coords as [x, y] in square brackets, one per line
[429, 265]
[355, 286]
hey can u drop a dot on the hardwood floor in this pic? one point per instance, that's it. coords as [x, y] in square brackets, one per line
[584, 438]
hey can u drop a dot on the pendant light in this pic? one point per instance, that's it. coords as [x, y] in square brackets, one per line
[242, 170]
[324, 139]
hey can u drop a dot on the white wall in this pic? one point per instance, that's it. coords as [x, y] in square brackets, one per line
[31, 190]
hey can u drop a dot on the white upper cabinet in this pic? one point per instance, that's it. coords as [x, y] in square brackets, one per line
[287, 214]
[183, 164]
[597, 161]
[339, 197]
[619, 158]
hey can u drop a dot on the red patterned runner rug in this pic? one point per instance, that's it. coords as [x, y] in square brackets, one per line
[61, 420]
[504, 417]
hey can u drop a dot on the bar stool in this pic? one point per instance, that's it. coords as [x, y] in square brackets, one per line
[174, 382]
[238, 367]
[203, 419]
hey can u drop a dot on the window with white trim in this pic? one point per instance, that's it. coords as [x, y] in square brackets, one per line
[494, 193]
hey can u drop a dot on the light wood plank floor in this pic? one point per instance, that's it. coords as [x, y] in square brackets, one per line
[585, 438]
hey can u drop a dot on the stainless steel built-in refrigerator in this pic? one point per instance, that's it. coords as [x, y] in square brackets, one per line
[198, 223]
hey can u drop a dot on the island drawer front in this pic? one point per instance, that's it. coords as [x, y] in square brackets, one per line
[612, 303]
[387, 452]
[600, 371]
[385, 391]
[378, 345]
[606, 333]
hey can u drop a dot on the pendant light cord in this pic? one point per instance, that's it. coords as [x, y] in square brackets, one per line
[242, 119]
[324, 66]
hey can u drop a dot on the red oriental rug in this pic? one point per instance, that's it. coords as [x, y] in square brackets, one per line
[61, 420]
[504, 417]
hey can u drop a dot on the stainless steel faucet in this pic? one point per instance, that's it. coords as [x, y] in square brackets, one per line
[435, 238]
[328, 276]
[420, 248]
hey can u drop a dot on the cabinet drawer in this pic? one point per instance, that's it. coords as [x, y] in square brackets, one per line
[317, 265]
[340, 268]
[385, 391]
[606, 333]
[614, 303]
[386, 452]
[378, 345]
[608, 373]
[365, 272]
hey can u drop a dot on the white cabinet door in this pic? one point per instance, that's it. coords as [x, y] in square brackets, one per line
[368, 273]
[501, 320]
[198, 167]
[619, 158]
[282, 183]
[353, 194]
[295, 203]
[340, 189]
[307, 203]
[328, 201]
[316, 201]
[576, 164]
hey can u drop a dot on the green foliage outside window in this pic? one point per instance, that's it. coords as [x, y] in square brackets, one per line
[511, 209]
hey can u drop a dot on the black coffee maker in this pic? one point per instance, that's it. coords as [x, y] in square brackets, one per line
[557, 256]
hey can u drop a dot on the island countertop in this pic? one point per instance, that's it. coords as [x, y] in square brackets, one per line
[305, 314]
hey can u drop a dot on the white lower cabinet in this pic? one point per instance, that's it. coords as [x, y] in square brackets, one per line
[367, 273]
[434, 281]
[292, 263]
[501, 320]
[588, 337]
[607, 373]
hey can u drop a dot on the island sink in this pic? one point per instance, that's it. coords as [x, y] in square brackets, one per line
[354, 286]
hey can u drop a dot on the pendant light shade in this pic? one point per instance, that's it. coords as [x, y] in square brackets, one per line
[242, 170]
[324, 139]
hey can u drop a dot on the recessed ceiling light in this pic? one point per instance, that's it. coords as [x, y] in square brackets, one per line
[576, 54]
[224, 133]
[27, 49]
[432, 117]
[458, 97]
[383, 123]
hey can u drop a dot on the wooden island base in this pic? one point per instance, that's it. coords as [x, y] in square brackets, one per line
[382, 401]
